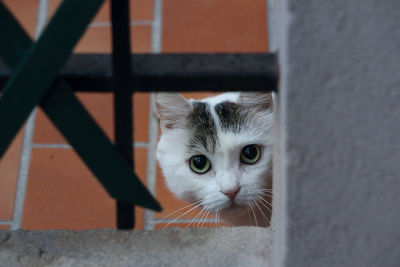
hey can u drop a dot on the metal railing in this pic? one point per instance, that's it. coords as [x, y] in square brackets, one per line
[43, 73]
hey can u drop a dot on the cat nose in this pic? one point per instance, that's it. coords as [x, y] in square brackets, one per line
[231, 193]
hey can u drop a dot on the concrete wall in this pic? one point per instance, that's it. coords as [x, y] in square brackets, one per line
[338, 172]
[238, 246]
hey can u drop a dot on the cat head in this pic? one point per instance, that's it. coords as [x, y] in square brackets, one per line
[216, 151]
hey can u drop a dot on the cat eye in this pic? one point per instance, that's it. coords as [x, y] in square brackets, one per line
[250, 154]
[199, 164]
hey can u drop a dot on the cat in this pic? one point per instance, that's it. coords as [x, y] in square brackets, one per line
[216, 153]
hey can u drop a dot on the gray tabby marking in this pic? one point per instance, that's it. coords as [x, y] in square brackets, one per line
[231, 115]
[203, 127]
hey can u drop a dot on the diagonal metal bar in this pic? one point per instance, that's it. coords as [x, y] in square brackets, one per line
[89, 141]
[11, 48]
[35, 73]
[95, 149]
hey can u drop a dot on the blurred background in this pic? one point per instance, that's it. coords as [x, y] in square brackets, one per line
[43, 182]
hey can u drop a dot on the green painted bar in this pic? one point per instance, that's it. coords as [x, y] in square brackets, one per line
[78, 127]
[12, 49]
[37, 70]
[95, 149]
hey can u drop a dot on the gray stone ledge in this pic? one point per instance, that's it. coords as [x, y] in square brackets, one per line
[239, 246]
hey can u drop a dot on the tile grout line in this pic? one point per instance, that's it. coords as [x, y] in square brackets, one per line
[60, 146]
[28, 137]
[141, 144]
[153, 123]
[151, 163]
[271, 24]
[156, 33]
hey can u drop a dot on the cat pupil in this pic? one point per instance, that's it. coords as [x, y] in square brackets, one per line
[250, 152]
[199, 161]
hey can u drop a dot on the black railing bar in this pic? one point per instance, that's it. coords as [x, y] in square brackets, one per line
[147, 64]
[172, 64]
[182, 84]
[123, 105]
[173, 72]
[68, 146]
[170, 84]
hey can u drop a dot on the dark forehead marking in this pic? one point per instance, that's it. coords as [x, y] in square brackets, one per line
[232, 116]
[202, 126]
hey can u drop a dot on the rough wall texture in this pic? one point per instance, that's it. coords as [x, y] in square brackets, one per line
[239, 246]
[340, 129]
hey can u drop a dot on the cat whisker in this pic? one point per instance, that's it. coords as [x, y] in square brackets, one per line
[267, 194]
[262, 213]
[202, 212]
[174, 220]
[218, 213]
[248, 212]
[202, 218]
[216, 219]
[264, 193]
[195, 217]
[254, 215]
[265, 201]
[187, 206]
[262, 202]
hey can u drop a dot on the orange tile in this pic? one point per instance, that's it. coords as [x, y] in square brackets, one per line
[141, 107]
[26, 12]
[63, 194]
[95, 40]
[214, 26]
[188, 225]
[98, 40]
[45, 131]
[100, 107]
[140, 10]
[52, 7]
[5, 227]
[9, 165]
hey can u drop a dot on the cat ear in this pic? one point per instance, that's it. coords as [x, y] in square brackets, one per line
[173, 109]
[258, 100]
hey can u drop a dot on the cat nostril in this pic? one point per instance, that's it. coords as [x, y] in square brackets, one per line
[231, 193]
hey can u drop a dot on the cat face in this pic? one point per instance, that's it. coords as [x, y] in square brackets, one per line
[216, 151]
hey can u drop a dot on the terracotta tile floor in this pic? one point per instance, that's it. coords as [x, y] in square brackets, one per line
[58, 191]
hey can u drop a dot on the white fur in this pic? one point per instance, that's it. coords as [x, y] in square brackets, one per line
[227, 171]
